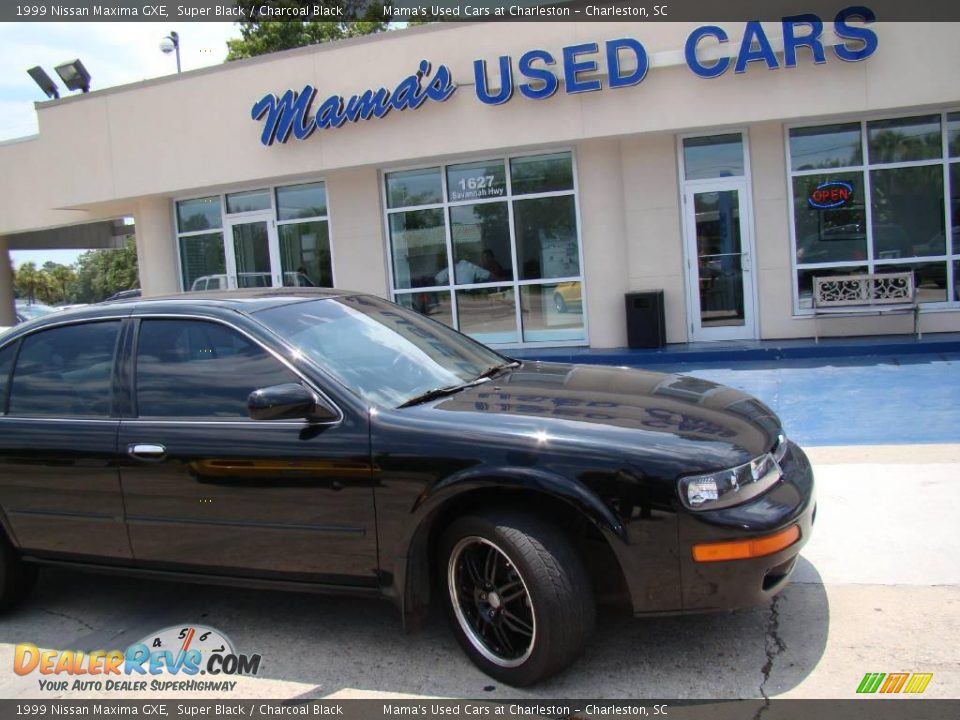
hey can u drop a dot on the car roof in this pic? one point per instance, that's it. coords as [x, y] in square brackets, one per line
[212, 302]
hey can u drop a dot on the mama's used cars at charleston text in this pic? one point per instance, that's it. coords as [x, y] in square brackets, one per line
[330, 441]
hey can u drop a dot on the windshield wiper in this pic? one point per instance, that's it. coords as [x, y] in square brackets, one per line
[434, 393]
[494, 369]
[451, 389]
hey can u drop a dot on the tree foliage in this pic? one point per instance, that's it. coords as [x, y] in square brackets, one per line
[97, 275]
[259, 37]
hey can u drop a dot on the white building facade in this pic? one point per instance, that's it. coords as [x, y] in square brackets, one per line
[515, 180]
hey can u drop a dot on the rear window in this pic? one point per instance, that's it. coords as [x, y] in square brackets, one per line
[65, 371]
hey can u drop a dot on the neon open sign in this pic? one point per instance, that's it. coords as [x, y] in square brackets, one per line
[831, 194]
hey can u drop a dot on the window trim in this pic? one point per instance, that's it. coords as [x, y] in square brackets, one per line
[950, 258]
[115, 413]
[509, 198]
[227, 219]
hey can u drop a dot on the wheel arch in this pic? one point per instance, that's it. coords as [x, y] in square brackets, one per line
[594, 527]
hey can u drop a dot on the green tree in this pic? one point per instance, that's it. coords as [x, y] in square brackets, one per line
[101, 273]
[29, 282]
[259, 37]
[62, 278]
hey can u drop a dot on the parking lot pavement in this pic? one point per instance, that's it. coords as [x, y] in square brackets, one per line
[855, 400]
[877, 590]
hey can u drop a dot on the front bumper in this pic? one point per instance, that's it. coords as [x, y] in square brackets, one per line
[730, 584]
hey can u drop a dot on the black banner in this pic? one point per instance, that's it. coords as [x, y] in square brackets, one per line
[465, 10]
[865, 709]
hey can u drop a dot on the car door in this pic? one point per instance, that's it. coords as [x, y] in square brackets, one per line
[208, 489]
[59, 480]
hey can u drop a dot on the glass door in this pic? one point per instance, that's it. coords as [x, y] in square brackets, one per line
[719, 261]
[253, 254]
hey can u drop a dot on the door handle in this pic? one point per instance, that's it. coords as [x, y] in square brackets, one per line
[147, 452]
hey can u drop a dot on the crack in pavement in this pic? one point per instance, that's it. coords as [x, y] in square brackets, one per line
[67, 617]
[773, 647]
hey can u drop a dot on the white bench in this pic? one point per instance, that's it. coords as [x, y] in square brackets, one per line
[867, 293]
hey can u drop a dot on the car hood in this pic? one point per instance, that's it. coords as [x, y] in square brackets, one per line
[639, 411]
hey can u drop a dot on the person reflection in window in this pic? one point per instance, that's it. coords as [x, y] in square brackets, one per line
[466, 272]
[488, 261]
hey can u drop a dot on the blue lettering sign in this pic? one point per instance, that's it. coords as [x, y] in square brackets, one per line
[548, 80]
[791, 41]
[866, 38]
[690, 52]
[573, 67]
[755, 46]
[483, 89]
[290, 112]
[618, 79]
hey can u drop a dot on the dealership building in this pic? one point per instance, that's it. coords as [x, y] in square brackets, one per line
[516, 180]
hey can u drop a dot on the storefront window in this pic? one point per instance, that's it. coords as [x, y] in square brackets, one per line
[419, 248]
[271, 237]
[201, 256]
[504, 231]
[830, 146]
[199, 214]
[871, 216]
[713, 156]
[414, 187]
[297, 202]
[248, 201]
[905, 139]
[953, 134]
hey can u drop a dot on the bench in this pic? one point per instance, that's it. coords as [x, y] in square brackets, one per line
[873, 293]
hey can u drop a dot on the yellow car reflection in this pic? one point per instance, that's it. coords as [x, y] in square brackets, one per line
[566, 297]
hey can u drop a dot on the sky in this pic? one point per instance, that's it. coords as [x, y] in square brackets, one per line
[113, 53]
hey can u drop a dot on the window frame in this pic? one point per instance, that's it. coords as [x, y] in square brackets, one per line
[131, 369]
[509, 198]
[950, 257]
[226, 219]
[115, 387]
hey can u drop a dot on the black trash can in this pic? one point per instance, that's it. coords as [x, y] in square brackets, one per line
[645, 324]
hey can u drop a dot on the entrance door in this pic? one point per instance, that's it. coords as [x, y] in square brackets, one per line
[253, 253]
[719, 261]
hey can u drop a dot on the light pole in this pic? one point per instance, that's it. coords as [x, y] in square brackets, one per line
[171, 43]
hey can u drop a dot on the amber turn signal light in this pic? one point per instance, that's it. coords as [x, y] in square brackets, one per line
[744, 549]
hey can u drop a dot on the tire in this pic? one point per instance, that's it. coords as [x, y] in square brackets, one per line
[559, 303]
[16, 577]
[537, 614]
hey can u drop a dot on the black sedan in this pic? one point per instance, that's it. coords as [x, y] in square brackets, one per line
[330, 441]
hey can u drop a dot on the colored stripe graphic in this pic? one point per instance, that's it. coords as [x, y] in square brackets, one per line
[894, 683]
[870, 682]
[918, 683]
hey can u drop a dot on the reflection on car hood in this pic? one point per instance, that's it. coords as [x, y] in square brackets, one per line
[600, 403]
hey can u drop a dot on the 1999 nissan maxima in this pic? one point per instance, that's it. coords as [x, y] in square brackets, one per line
[332, 441]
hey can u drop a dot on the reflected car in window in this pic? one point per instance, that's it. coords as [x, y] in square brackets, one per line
[336, 442]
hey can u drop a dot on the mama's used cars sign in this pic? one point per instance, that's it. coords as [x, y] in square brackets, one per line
[292, 113]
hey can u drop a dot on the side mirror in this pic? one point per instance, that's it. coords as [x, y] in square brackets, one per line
[291, 401]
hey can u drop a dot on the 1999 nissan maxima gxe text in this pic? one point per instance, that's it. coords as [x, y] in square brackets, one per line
[332, 441]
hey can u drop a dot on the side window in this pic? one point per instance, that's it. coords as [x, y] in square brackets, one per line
[65, 371]
[6, 365]
[194, 368]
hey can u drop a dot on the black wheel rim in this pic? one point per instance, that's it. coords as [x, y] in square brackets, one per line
[491, 602]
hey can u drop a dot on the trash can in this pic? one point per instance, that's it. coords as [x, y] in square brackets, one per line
[645, 324]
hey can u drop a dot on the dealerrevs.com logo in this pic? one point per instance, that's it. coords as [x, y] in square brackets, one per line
[170, 660]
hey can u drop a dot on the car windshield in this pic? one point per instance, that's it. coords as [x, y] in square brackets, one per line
[34, 310]
[387, 354]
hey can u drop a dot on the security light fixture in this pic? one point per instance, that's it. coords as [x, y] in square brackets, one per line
[46, 84]
[171, 43]
[74, 75]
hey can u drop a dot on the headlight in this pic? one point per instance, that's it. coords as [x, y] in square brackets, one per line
[736, 485]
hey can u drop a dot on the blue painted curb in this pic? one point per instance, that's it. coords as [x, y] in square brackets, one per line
[752, 352]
